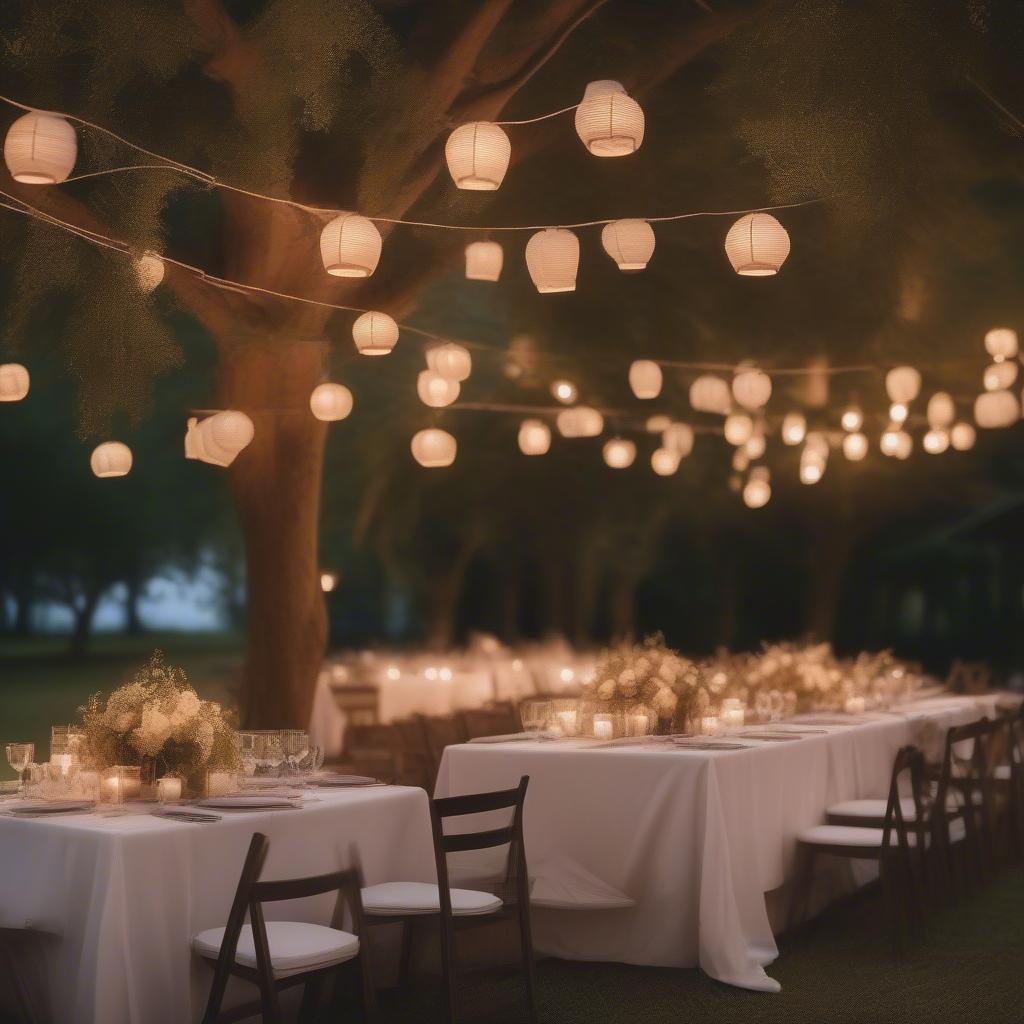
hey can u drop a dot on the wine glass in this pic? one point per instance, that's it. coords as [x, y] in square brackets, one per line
[312, 762]
[269, 752]
[18, 757]
[535, 714]
[245, 743]
[295, 746]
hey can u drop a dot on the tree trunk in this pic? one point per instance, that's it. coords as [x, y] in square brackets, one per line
[83, 612]
[132, 620]
[827, 569]
[622, 610]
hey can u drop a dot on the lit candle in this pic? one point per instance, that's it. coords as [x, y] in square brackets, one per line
[219, 783]
[566, 722]
[111, 790]
[603, 727]
[854, 705]
[709, 725]
[637, 725]
[733, 713]
[168, 788]
[63, 762]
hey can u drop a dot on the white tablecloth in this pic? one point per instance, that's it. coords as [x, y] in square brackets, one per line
[695, 838]
[123, 896]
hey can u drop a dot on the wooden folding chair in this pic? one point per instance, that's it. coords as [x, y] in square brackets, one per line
[441, 731]
[494, 721]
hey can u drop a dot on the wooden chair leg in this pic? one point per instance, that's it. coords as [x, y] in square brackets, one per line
[405, 957]
[448, 971]
[367, 986]
[311, 993]
[799, 900]
[529, 967]
[887, 870]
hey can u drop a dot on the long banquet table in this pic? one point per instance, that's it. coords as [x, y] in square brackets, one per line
[108, 905]
[692, 839]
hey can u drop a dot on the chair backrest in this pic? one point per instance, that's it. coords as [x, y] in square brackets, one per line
[359, 703]
[414, 752]
[907, 779]
[373, 749]
[966, 771]
[442, 731]
[496, 721]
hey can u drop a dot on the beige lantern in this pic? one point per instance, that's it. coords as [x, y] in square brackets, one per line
[898, 412]
[219, 438]
[451, 361]
[995, 409]
[328, 581]
[889, 441]
[552, 258]
[935, 442]
[756, 444]
[645, 378]
[664, 461]
[478, 154]
[855, 446]
[710, 394]
[757, 245]
[962, 436]
[758, 491]
[740, 460]
[149, 271]
[435, 390]
[902, 384]
[941, 410]
[751, 387]
[657, 424]
[738, 428]
[350, 246]
[817, 443]
[678, 437]
[330, 402]
[580, 421]
[111, 459]
[1000, 376]
[564, 390]
[534, 437]
[433, 448]
[619, 453]
[40, 149]
[794, 428]
[375, 334]
[484, 261]
[608, 121]
[812, 466]
[904, 445]
[852, 418]
[629, 242]
[14, 382]
[1001, 343]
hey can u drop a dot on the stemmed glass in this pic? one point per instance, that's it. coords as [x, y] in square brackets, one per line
[312, 762]
[535, 715]
[19, 755]
[295, 746]
[245, 743]
[269, 752]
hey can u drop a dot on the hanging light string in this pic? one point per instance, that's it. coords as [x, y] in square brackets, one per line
[542, 117]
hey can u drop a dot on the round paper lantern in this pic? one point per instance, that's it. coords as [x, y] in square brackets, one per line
[962, 436]
[896, 443]
[999, 376]
[678, 437]
[619, 453]
[580, 421]
[330, 402]
[657, 424]
[817, 443]
[898, 412]
[794, 428]
[941, 410]
[812, 466]
[629, 242]
[40, 149]
[757, 245]
[534, 437]
[903, 384]
[757, 492]
[738, 428]
[375, 334]
[645, 378]
[664, 461]
[478, 155]
[1001, 343]
[433, 448]
[751, 388]
[564, 390]
[226, 434]
[451, 361]
[552, 258]
[852, 418]
[14, 382]
[608, 121]
[710, 394]
[111, 459]
[350, 246]
[756, 445]
[889, 441]
[328, 581]
[484, 261]
[435, 390]
[740, 460]
[935, 442]
[855, 446]
[996, 409]
[149, 271]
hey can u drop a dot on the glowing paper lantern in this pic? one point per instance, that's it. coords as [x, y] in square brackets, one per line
[758, 491]
[111, 459]
[757, 245]
[552, 258]
[817, 443]
[219, 438]
[580, 421]
[1001, 343]
[14, 382]
[852, 418]
[619, 453]
[657, 424]
[896, 443]
[435, 390]
[756, 445]
[629, 242]
[996, 409]
[664, 461]
[375, 334]
[935, 442]
[751, 387]
[608, 121]
[902, 384]
[794, 428]
[328, 581]
[645, 378]
[1000, 376]
[478, 154]
[962, 436]
[534, 437]
[855, 446]
[40, 149]
[350, 246]
[564, 390]
[738, 428]
[710, 394]
[740, 460]
[330, 402]
[433, 448]
[812, 466]
[484, 261]
[941, 410]
[678, 437]
[149, 271]
[451, 361]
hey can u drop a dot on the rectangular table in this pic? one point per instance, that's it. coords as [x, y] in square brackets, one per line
[690, 840]
[110, 904]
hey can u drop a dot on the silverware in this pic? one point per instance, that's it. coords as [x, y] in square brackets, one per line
[186, 816]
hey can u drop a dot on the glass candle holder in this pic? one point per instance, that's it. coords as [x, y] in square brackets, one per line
[565, 717]
[637, 723]
[87, 783]
[120, 783]
[66, 746]
[168, 789]
[854, 705]
[535, 715]
[733, 713]
[604, 727]
[220, 783]
[709, 725]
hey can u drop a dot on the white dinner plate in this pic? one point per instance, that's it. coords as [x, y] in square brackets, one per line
[245, 801]
[53, 807]
[346, 780]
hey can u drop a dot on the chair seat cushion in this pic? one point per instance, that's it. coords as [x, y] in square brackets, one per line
[1002, 772]
[841, 835]
[407, 898]
[870, 809]
[295, 947]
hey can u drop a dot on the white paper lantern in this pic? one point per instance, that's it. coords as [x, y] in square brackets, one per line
[14, 382]
[375, 334]
[645, 378]
[580, 421]
[40, 148]
[852, 418]
[757, 492]
[1001, 343]
[657, 424]
[1000, 376]
[941, 410]
[996, 409]
[678, 437]
[619, 453]
[629, 242]
[935, 442]
[898, 412]
[608, 121]
[664, 461]
[817, 443]
[111, 459]
[564, 390]
[740, 460]
[433, 448]
[330, 402]
[552, 258]
[534, 437]
[710, 394]
[484, 261]
[756, 444]
[855, 446]
[219, 438]
[751, 387]
[738, 428]
[350, 246]
[149, 271]
[962, 436]
[896, 443]
[902, 384]
[435, 390]
[794, 428]
[478, 154]
[757, 245]
[812, 466]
